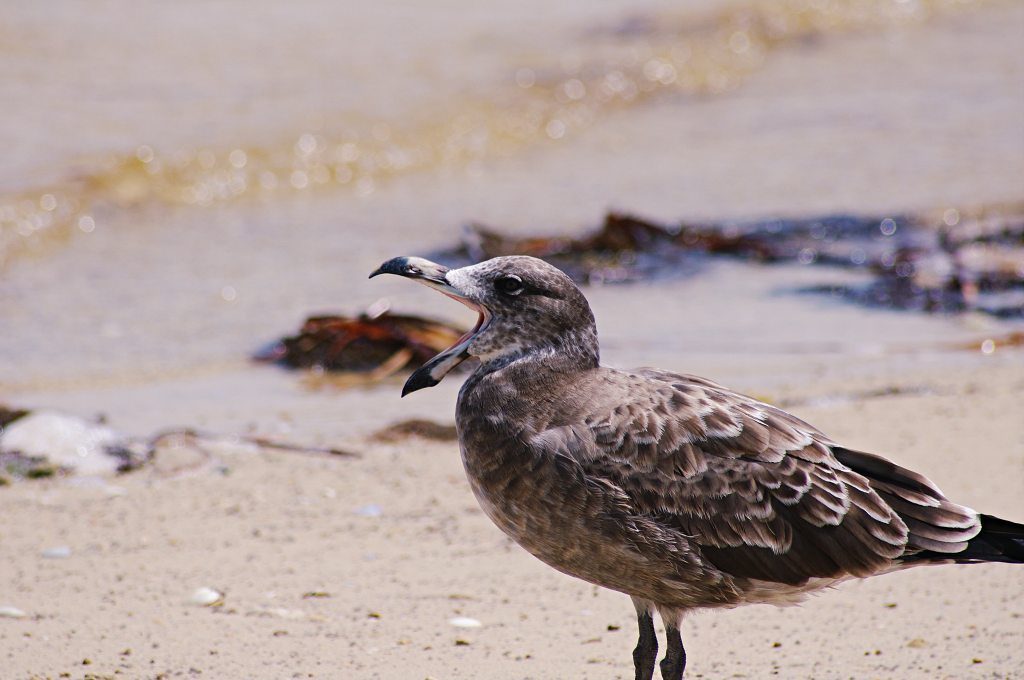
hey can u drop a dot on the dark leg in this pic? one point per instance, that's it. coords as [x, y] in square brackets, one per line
[646, 652]
[675, 656]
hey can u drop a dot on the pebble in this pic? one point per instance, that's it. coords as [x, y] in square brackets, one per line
[57, 552]
[9, 612]
[464, 622]
[206, 597]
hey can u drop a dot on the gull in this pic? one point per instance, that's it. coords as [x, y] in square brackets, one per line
[668, 487]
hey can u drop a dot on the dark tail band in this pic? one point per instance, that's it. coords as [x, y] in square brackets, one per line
[999, 540]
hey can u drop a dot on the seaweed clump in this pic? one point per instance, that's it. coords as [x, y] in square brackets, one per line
[378, 344]
[945, 261]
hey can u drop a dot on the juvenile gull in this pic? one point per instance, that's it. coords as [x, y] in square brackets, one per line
[668, 487]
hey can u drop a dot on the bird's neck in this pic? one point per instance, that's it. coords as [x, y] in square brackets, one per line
[506, 388]
[536, 366]
[567, 351]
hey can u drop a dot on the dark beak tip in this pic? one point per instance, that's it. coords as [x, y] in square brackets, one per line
[395, 265]
[419, 380]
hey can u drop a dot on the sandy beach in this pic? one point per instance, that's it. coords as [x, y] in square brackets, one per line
[381, 565]
[342, 568]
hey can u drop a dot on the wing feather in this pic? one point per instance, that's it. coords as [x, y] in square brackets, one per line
[757, 492]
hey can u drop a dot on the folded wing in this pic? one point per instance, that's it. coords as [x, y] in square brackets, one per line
[758, 492]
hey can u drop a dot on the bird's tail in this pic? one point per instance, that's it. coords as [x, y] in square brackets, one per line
[999, 540]
[939, 530]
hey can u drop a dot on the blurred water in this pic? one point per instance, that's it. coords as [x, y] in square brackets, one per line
[357, 116]
[184, 182]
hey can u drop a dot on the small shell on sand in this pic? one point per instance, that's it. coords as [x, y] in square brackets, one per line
[206, 597]
[57, 552]
[9, 612]
[464, 622]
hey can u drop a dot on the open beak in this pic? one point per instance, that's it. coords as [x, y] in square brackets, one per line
[433, 275]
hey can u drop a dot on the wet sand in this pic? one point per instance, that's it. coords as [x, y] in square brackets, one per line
[148, 320]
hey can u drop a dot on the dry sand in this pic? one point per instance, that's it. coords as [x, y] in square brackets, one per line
[270, 529]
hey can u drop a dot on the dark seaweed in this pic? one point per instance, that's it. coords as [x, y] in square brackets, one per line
[943, 264]
[417, 427]
[365, 343]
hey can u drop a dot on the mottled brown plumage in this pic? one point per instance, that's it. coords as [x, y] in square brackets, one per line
[669, 487]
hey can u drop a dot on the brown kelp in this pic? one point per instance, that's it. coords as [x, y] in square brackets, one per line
[942, 261]
[416, 427]
[377, 343]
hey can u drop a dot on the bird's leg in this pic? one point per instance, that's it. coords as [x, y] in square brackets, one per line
[646, 652]
[675, 656]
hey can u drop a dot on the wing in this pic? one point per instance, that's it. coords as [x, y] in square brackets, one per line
[760, 493]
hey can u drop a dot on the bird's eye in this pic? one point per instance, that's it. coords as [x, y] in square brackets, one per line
[509, 284]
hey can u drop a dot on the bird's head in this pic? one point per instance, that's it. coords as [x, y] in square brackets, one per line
[527, 307]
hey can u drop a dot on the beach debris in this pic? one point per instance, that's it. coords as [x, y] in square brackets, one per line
[377, 343]
[57, 552]
[416, 427]
[43, 443]
[267, 443]
[178, 452]
[464, 622]
[9, 612]
[946, 261]
[212, 444]
[206, 597]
